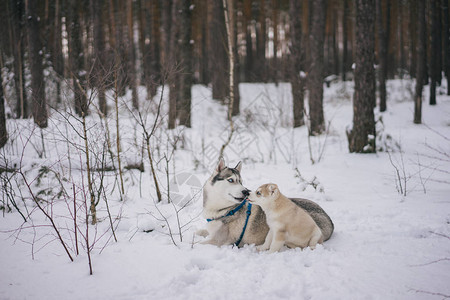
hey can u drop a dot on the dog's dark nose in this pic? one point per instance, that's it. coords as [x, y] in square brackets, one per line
[246, 192]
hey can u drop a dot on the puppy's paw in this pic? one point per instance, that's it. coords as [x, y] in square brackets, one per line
[261, 248]
[202, 232]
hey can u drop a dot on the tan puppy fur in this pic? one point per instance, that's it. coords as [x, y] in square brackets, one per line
[289, 224]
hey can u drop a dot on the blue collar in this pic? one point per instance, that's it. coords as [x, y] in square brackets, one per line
[232, 212]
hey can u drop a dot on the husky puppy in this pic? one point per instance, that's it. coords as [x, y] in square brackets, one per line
[289, 224]
[223, 207]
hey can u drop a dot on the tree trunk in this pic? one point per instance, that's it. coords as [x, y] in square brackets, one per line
[274, 66]
[3, 131]
[401, 57]
[296, 61]
[335, 39]
[131, 57]
[155, 49]
[166, 20]
[186, 53]
[38, 100]
[18, 44]
[413, 38]
[434, 68]
[120, 56]
[172, 66]
[76, 59]
[218, 42]
[438, 70]
[446, 42]
[248, 40]
[361, 137]
[315, 76]
[230, 23]
[382, 56]
[261, 43]
[204, 63]
[345, 40]
[421, 43]
[99, 77]
[57, 54]
[235, 60]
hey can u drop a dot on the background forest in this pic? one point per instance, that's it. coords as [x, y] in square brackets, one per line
[114, 113]
[110, 44]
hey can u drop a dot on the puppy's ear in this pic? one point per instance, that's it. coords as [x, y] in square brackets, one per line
[273, 188]
[239, 166]
[220, 165]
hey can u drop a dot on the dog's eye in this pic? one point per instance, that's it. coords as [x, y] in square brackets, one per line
[230, 180]
[258, 193]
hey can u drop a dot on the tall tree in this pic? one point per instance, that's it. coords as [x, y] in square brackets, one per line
[3, 130]
[421, 43]
[76, 58]
[155, 47]
[345, 14]
[186, 75]
[131, 57]
[434, 67]
[412, 24]
[274, 67]
[361, 138]
[316, 69]
[261, 42]
[38, 100]
[230, 22]
[296, 61]
[57, 49]
[16, 11]
[218, 42]
[446, 42]
[172, 64]
[99, 53]
[247, 28]
[236, 68]
[382, 56]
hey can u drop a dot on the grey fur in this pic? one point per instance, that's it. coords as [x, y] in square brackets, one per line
[225, 173]
[318, 214]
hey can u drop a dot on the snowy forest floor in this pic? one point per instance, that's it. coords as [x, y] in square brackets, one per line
[386, 245]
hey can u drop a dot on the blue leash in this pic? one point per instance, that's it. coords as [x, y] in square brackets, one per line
[232, 212]
[249, 211]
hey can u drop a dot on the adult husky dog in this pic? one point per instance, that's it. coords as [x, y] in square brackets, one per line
[232, 220]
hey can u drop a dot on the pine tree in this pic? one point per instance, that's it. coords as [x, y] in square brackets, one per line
[38, 100]
[186, 74]
[296, 62]
[3, 131]
[99, 53]
[421, 44]
[361, 137]
[316, 69]
[434, 61]
[446, 42]
[382, 56]
[16, 11]
[76, 58]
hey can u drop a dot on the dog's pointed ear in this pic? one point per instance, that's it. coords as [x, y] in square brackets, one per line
[239, 166]
[220, 165]
[273, 188]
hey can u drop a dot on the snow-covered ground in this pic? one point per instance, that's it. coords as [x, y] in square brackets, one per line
[385, 246]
